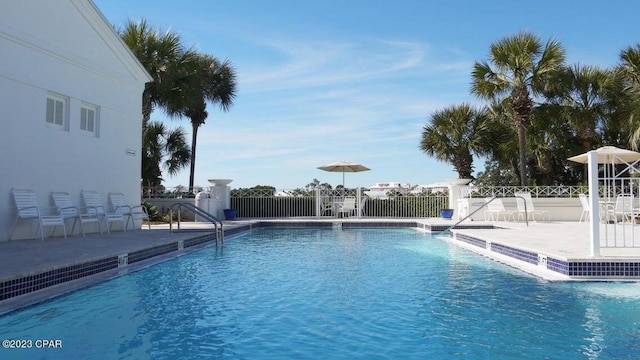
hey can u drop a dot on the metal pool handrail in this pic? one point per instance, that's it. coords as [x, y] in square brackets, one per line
[198, 211]
[526, 215]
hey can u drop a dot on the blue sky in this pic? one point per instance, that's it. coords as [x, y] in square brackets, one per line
[324, 81]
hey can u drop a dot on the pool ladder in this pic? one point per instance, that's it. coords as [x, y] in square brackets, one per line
[217, 223]
[526, 215]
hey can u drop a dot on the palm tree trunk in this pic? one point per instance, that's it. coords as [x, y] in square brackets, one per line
[522, 146]
[192, 170]
[586, 146]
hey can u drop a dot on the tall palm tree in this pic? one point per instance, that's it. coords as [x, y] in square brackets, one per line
[210, 81]
[165, 148]
[629, 69]
[164, 57]
[521, 69]
[584, 103]
[453, 135]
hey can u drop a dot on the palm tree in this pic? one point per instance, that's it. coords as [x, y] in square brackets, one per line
[210, 80]
[166, 148]
[164, 57]
[453, 135]
[522, 68]
[583, 103]
[629, 69]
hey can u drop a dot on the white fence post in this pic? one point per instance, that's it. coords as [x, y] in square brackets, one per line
[594, 204]
[318, 203]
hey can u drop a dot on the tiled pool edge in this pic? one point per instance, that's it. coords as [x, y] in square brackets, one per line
[26, 284]
[596, 269]
[101, 269]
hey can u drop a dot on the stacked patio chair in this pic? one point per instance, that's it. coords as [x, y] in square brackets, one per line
[68, 211]
[119, 205]
[495, 209]
[93, 206]
[528, 210]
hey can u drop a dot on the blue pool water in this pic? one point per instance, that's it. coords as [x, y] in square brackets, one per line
[333, 294]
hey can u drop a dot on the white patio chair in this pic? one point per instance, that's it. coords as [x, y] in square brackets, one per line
[93, 206]
[586, 211]
[138, 212]
[62, 200]
[326, 206]
[495, 209]
[626, 208]
[363, 202]
[523, 198]
[607, 212]
[347, 206]
[27, 208]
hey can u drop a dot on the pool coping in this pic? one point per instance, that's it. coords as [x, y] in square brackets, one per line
[26, 288]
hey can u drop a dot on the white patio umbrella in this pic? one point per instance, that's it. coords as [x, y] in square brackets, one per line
[611, 156]
[344, 167]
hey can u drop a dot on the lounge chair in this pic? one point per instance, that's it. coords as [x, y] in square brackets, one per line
[133, 213]
[326, 206]
[523, 198]
[607, 212]
[363, 202]
[62, 200]
[93, 206]
[27, 208]
[586, 210]
[495, 209]
[347, 206]
[626, 208]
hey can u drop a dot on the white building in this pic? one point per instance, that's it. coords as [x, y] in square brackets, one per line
[71, 105]
[380, 190]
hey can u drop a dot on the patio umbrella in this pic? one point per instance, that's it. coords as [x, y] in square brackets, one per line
[344, 167]
[609, 155]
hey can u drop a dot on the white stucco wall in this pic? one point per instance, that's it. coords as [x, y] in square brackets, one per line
[65, 47]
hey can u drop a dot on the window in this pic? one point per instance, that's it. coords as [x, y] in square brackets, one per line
[57, 111]
[89, 119]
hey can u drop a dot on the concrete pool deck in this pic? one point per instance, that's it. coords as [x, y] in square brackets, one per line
[35, 270]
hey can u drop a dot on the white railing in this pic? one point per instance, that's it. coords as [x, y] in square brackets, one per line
[535, 191]
[619, 212]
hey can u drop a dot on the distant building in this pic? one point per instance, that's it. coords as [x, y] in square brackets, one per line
[381, 190]
[71, 105]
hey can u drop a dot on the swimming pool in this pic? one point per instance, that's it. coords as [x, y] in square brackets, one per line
[333, 294]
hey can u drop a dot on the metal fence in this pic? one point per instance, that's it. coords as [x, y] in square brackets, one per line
[261, 204]
[270, 203]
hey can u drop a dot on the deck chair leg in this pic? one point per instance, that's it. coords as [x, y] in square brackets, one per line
[41, 232]
[100, 227]
[82, 228]
[13, 229]
[73, 227]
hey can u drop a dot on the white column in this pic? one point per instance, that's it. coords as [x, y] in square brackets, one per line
[594, 204]
[454, 195]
